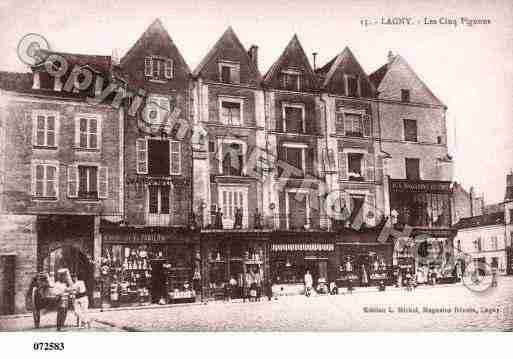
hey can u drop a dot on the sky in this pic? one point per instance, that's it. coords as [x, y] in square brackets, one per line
[470, 68]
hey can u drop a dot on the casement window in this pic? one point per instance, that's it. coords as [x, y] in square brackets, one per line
[230, 111]
[405, 95]
[229, 72]
[159, 199]
[410, 130]
[352, 84]
[293, 118]
[355, 166]
[353, 123]
[230, 200]
[233, 159]
[297, 209]
[157, 110]
[291, 80]
[412, 169]
[87, 181]
[45, 179]
[158, 68]
[295, 155]
[158, 157]
[87, 132]
[45, 126]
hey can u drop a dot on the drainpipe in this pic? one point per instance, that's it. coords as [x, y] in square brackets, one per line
[326, 147]
[266, 134]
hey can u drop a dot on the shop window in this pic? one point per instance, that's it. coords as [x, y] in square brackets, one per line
[410, 130]
[45, 129]
[231, 112]
[290, 80]
[412, 169]
[422, 209]
[294, 118]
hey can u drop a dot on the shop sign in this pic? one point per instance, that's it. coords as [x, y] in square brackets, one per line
[137, 237]
[302, 247]
[420, 186]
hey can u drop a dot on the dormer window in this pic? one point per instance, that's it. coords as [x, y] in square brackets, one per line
[290, 80]
[352, 85]
[158, 68]
[229, 72]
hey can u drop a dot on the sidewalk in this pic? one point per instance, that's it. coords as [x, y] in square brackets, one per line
[343, 291]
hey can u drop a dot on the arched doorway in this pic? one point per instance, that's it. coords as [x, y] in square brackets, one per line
[71, 257]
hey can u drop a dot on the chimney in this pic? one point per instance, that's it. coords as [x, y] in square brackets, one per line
[314, 54]
[509, 187]
[253, 54]
[390, 57]
[115, 57]
[471, 195]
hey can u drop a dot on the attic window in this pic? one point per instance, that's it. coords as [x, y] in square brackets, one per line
[352, 85]
[290, 80]
[405, 95]
[158, 68]
[229, 72]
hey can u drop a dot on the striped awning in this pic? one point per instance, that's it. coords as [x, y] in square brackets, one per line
[290, 247]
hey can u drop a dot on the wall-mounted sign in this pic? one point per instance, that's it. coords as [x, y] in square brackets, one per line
[302, 247]
[420, 186]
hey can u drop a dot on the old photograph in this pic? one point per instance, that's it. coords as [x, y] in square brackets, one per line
[270, 166]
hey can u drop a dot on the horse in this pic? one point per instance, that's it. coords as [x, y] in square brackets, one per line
[46, 297]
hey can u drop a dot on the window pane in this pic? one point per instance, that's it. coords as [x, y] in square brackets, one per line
[164, 199]
[50, 123]
[225, 74]
[40, 170]
[83, 125]
[50, 138]
[39, 188]
[93, 143]
[41, 122]
[153, 200]
[294, 119]
[93, 178]
[82, 179]
[83, 140]
[50, 173]
[40, 138]
[50, 188]
[93, 125]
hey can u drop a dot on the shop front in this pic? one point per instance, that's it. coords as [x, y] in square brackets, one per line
[362, 260]
[235, 263]
[295, 253]
[149, 265]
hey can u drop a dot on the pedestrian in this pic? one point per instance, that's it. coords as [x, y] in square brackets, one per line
[62, 290]
[81, 302]
[308, 283]
[365, 278]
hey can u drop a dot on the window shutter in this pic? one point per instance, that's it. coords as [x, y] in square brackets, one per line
[369, 167]
[142, 155]
[72, 181]
[342, 165]
[147, 66]
[367, 127]
[331, 159]
[309, 161]
[77, 132]
[168, 69]
[174, 157]
[370, 201]
[235, 74]
[380, 169]
[103, 182]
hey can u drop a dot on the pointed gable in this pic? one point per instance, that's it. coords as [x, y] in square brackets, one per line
[335, 72]
[228, 50]
[155, 41]
[397, 75]
[292, 60]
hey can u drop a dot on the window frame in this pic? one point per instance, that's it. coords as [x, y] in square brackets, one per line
[33, 181]
[406, 168]
[220, 154]
[341, 111]
[405, 120]
[154, 102]
[159, 200]
[405, 95]
[244, 190]
[230, 99]
[302, 146]
[99, 183]
[45, 113]
[167, 70]
[99, 121]
[145, 152]
[287, 72]
[358, 85]
[233, 66]
[301, 106]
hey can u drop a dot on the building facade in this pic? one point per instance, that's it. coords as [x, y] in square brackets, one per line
[508, 219]
[61, 173]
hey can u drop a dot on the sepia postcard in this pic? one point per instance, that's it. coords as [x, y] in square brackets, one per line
[270, 166]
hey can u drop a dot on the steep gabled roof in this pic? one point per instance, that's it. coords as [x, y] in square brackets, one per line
[378, 76]
[228, 36]
[332, 66]
[490, 219]
[293, 43]
[155, 27]
[15, 81]
[101, 64]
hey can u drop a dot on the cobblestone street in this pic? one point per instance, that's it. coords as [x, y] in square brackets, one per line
[319, 313]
